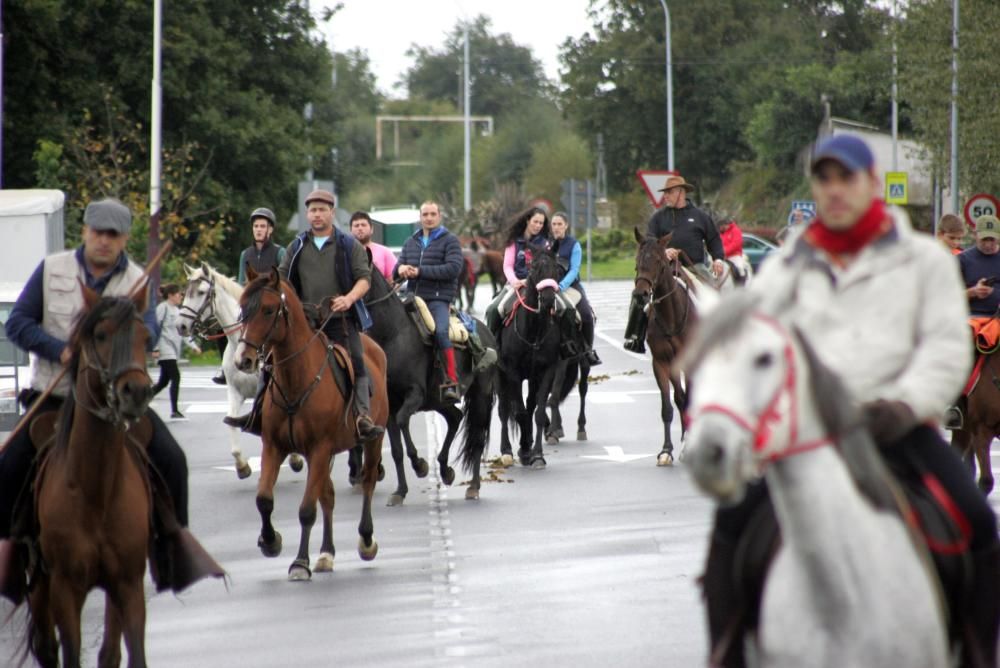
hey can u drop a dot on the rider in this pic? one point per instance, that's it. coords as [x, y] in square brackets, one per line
[41, 322]
[882, 306]
[980, 266]
[692, 230]
[570, 254]
[432, 260]
[324, 264]
[382, 258]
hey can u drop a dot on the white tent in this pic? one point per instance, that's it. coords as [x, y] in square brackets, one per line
[31, 227]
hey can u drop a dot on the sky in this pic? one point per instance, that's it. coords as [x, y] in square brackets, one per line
[387, 28]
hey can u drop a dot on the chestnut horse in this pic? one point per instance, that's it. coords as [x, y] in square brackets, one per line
[305, 412]
[672, 315]
[982, 422]
[92, 491]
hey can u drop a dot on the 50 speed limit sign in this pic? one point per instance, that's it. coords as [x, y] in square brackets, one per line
[980, 205]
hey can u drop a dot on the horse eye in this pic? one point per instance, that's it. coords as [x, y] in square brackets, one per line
[268, 310]
[763, 360]
[100, 337]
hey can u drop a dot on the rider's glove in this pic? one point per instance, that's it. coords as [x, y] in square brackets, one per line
[888, 421]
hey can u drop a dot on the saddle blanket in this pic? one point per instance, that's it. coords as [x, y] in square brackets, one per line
[986, 333]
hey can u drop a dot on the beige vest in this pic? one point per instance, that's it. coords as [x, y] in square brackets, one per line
[62, 302]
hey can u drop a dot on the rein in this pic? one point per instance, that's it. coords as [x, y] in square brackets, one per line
[106, 410]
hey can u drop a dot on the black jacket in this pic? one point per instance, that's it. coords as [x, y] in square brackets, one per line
[440, 263]
[693, 230]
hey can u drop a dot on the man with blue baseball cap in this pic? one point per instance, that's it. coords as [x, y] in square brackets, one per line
[884, 309]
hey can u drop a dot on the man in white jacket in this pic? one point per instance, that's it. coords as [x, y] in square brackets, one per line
[883, 307]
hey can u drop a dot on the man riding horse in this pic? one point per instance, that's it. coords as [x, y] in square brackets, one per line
[41, 322]
[692, 231]
[326, 266]
[883, 308]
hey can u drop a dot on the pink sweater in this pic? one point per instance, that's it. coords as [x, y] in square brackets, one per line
[383, 259]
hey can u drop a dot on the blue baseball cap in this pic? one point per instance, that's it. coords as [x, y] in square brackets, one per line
[850, 151]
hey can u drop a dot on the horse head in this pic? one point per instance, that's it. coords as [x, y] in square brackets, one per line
[264, 306]
[196, 310]
[651, 266]
[543, 277]
[108, 364]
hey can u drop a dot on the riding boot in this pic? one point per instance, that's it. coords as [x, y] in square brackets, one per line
[635, 330]
[252, 422]
[569, 346]
[482, 357]
[367, 429]
[721, 594]
[983, 609]
[176, 558]
[449, 390]
[587, 331]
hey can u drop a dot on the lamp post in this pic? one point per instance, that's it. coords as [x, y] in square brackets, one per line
[670, 92]
[153, 246]
[954, 108]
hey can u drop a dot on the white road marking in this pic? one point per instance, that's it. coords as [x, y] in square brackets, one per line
[254, 463]
[616, 454]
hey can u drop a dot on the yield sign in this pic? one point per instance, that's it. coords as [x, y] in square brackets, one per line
[652, 181]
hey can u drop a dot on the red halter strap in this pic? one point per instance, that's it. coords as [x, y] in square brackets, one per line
[771, 416]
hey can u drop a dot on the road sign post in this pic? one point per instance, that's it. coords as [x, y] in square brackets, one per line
[982, 204]
[577, 198]
[652, 181]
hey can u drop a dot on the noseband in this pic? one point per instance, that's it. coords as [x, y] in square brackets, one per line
[108, 375]
[281, 312]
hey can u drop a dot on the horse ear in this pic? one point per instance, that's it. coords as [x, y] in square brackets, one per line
[275, 278]
[555, 246]
[664, 241]
[638, 235]
[188, 270]
[140, 297]
[251, 273]
[204, 268]
[90, 297]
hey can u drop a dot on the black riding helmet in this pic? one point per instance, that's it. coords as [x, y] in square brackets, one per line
[265, 213]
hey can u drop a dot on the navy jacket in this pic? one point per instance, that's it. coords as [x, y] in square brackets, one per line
[440, 263]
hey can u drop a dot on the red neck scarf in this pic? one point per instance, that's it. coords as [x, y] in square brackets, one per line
[873, 224]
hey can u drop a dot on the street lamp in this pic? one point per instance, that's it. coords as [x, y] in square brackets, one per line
[670, 93]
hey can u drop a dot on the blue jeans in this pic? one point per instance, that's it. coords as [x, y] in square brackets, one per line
[439, 310]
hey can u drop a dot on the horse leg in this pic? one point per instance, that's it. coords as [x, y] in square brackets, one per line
[982, 440]
[478, 413]
[662, 373]
[396, 447]
[523, 411]
[582, 387]
[316, 481]
[961, 441]
[235, 404]
[269, 540]
[555, 429]
[367, 547]
[133, 611]
[41, 628]
[327, 499]
[354, 465]
[537, 456]
[66, 606]
[411, 404]
[110, 655]
[453, 417]
[504, 409]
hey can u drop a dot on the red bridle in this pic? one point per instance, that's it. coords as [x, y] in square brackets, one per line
[774, 411]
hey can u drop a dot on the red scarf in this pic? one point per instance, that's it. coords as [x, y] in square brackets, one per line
[869, 227]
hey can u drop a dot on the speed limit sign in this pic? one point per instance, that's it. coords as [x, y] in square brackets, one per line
[980, 205]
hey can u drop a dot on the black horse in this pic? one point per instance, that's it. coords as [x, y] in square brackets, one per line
[567, 375]
[414, 378]
[529, 350]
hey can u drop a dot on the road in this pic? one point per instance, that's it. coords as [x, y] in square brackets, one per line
[591, 562]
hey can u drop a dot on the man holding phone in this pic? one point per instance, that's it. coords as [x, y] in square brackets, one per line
[980, 267]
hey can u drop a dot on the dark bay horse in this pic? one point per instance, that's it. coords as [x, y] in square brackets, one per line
[305, 412]
[529, 350]
[92, 492]
[982, 422]
[671, 318]
[414, 378]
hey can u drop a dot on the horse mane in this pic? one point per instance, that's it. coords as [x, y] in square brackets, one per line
[228, 285]
[721, 325]
[252, 294]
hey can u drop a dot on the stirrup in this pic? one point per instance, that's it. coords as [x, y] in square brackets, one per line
[953, 419]
[449, 392]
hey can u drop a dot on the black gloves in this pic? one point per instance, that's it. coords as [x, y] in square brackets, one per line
[888, 421]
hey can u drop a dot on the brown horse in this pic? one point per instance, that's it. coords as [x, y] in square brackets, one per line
[305, 412]
[92, 491]
[671, 317]
[982, 422]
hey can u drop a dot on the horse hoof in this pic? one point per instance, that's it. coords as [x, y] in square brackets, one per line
[506, 460]
[551, 439]
[471, 494]
[581, 435]
[272, 549]
[559, 433]
[243, 470]
[395, 500]
[665, 459]
[421, 468]
[299, 571]
[538, 464]
[352, 480]
[295, 461]
[448, 475]
[381, 472]
[324, 564]
[367, 553]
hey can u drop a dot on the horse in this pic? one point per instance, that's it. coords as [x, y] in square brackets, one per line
[212, 299]
[982, 422]
[306, 413]
[467, 279]
[492, 265]
[92, 490]
[848, 585]
[529, 350]
[672, 314]
[568, 373]
[413, 386]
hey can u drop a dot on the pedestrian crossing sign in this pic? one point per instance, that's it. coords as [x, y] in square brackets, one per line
[896, 188]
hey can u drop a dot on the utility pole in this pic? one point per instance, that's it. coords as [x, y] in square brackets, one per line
[670, 92]
[954, 107]
[895, 100]
[1, 93]
[155, 150]
[466, 123]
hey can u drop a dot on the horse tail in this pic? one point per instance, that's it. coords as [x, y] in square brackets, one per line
[569, 380]
[477, 413]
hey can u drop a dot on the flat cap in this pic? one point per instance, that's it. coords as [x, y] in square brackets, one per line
[321, 196]
[108, 214]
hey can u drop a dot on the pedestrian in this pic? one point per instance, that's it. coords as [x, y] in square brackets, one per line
[882, 307]
[951, 232]
[168, 347]
[382, 258]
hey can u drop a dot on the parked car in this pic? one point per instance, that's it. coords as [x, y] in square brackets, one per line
[756, 249]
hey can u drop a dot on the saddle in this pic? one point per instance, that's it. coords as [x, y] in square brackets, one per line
[421, 316]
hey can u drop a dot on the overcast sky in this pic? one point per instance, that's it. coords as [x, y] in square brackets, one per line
[386, 28]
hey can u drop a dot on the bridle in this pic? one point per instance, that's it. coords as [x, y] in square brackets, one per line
[205, 314]
[540, 285]
[108, 374]
[281, 312]
[655, 283]
[782, 404]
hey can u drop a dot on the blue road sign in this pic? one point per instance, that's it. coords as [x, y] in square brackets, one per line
[805, 208]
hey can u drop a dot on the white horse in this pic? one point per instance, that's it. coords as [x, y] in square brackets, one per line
[849, 585]
[212, 300]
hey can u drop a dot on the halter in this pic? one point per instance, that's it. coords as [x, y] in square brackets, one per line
[109, 410]
[781, 404]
